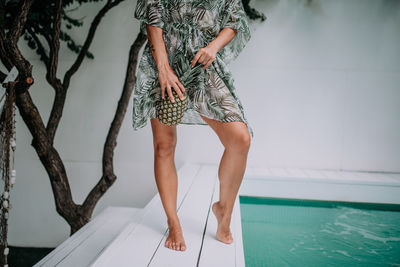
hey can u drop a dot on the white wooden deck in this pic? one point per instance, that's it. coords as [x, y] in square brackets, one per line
[143, 244]
[83, 246]
[138, 239]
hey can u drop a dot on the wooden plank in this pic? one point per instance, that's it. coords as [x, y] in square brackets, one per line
[84, 245]
[193, 216]
[86, 252]
[186, 174]
[135, 246]
[116, 243]
[237, 221]
[58, 253]
[215, 252]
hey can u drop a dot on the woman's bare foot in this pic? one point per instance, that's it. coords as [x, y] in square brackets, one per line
[223, 232]
[175, 236]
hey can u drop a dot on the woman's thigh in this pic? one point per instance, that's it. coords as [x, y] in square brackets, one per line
[163, 135]
[230, 133]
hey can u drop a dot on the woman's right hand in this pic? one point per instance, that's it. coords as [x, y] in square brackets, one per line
[168, 80]
[166, 74]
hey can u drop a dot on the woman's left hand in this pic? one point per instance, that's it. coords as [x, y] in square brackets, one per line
[205, 56]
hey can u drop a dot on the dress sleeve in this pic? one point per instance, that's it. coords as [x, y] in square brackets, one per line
[150, 12]
[234, 16]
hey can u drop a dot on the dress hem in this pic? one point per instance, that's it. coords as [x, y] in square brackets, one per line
[196, 123]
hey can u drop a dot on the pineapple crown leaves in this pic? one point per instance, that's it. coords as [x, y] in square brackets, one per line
[187, 75]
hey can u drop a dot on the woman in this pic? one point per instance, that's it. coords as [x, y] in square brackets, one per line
[182, 34]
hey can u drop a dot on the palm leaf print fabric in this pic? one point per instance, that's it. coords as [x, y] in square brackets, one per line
[189, 25]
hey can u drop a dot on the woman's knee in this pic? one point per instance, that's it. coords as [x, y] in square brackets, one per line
[164, 146]
[239, 140]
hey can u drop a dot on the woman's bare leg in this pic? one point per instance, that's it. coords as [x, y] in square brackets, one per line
[236, 140]
[164, 141]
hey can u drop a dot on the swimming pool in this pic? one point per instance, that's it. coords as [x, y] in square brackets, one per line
[295, 232]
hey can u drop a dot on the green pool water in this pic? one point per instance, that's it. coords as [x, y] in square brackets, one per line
[283, 232]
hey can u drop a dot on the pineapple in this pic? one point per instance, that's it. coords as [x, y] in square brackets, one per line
[170, 113]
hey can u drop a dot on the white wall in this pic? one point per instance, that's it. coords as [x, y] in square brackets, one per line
[326, 93]
[320, 85]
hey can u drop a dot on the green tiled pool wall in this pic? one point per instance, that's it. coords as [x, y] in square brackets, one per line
[317, 203]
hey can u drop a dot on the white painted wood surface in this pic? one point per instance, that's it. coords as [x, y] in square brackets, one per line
[87, 243]
[193, 215]
[216, 253]
[136, 245]
[131, 237]
[143, 244]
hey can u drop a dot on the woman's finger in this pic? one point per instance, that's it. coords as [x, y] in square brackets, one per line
[198, 57]
[208, 63]
[179, 86]
[203, 59]
[162, 91]
[169, 91]
[195, 58]
[178, 90]
[183, 89]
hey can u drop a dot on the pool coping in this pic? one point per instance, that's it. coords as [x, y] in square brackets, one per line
[375, 188]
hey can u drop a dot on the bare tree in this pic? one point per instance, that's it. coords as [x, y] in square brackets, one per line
[75, 214]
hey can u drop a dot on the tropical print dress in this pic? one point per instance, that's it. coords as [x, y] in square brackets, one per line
[189, 25]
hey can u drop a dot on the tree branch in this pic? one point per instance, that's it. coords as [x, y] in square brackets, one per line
[61, 88]
[3, 53]
[48, 155]
[19, 21]
[17, 27]
[55, 44]
[8, 43]
[3, 57]
[95, 23]
[108, 176]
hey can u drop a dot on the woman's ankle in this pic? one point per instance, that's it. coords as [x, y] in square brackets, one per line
[173, 221]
